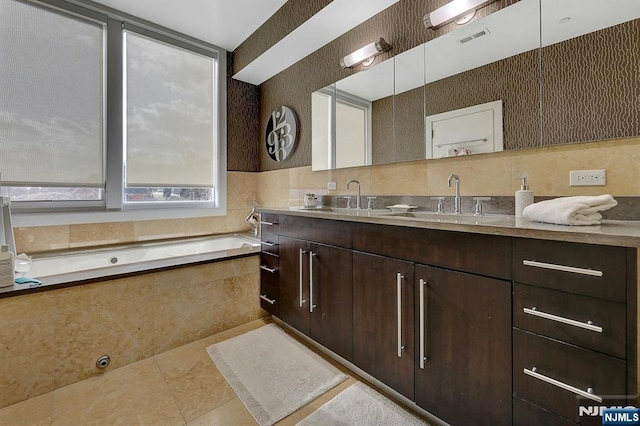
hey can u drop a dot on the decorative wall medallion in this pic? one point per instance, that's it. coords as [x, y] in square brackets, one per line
[281, 134]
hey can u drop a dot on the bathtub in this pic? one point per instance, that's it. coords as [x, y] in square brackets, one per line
[86, 265]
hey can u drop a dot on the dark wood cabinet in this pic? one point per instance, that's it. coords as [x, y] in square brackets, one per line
[383, 320]
[476, 329]
[316, 292]
[464, 337]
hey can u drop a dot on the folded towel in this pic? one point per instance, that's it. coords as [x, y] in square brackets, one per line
[579, 210]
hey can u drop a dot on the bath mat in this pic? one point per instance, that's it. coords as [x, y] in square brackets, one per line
[360, 405]
[272, 373]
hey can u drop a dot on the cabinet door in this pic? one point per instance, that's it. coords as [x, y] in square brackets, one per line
[294, 283]
[466, 336]
[383, 320]
[331, 299]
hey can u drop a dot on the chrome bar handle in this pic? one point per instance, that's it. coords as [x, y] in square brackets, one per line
[311, 305]
[302, 252]
[543, 265]
[399, 278]
[266, 268]
[266, 299]
[262, 222]
[586, 325]
[266, 243]
[587, 394]
[423, 358]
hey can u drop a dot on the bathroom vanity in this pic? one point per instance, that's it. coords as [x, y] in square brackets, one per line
[482, 321]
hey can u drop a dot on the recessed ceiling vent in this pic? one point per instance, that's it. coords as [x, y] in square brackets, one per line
[474, 36]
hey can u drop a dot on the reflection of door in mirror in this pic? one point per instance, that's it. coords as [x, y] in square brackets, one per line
[472, 130]
[341, 129]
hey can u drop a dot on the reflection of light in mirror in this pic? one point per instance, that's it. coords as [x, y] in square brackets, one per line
[453, 10]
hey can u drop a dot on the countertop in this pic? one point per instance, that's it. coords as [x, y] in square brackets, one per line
[610, 232]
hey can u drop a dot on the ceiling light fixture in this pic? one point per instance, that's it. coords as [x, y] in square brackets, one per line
[463, 9]
[365, 55]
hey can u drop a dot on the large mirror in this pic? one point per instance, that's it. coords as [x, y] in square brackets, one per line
[590, 71]
[536, 73]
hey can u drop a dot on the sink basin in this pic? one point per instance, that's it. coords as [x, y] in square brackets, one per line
[450, 217]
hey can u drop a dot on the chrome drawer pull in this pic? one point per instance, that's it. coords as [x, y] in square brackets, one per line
[585, 325]
[301, 253]
[423, 358]
[311, 305]
[587, 394]
[266, 299]
[266, 268]
[267, 223]
[399, 278]
[266, 243]
[592, 272]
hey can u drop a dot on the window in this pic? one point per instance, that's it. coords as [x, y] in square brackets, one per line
[170, 134]
[51, 105]
[159, 143]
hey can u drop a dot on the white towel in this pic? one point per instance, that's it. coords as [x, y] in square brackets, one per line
[580, 210]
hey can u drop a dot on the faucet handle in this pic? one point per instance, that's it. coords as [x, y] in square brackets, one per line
[370, 202]
[348, 198]
[440, 203]
[478, 206]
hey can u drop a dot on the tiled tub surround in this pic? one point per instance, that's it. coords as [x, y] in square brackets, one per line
[51, 339]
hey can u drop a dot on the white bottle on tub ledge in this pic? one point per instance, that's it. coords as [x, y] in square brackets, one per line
[7, 274]
[524, 197]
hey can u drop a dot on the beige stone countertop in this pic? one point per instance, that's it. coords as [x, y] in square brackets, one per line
[610, 232]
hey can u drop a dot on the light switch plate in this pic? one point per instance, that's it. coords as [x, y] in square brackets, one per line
[331, 186]
[587, 177]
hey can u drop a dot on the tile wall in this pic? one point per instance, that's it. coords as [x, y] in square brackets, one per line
[547, 170]
[52, 339]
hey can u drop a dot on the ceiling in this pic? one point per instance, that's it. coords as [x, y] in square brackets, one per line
[227, 23]
[224, 23]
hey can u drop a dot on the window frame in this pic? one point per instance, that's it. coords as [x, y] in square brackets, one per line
[113, 208]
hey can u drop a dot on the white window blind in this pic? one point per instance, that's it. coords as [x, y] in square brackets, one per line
[51, 98]
[170, 109]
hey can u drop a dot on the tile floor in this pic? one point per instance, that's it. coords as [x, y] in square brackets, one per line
[179, 387]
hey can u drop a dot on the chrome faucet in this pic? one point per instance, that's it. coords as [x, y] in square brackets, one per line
[457, 198]
[358, 207]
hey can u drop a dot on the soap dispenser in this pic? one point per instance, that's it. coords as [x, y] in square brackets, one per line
[524, 197]
[7, 274]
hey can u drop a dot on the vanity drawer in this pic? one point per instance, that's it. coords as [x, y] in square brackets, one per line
[474, 253]
[572, 367]
[269, 261]
[331, 232]
[269, 243]
[269, 222]
[527, 414]
[566, 317]
[590, 270]
[269, 293]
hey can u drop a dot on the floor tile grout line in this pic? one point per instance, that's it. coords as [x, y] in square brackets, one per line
[164, 380]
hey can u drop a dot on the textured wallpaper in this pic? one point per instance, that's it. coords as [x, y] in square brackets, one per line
[242, 124]
[290, 16]
[591, 86]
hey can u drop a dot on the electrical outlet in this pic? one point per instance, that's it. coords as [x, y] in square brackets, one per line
[587, 178]
[331, 186]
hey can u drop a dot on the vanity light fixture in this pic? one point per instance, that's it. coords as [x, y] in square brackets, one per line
[460, 10]
[365, 55]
